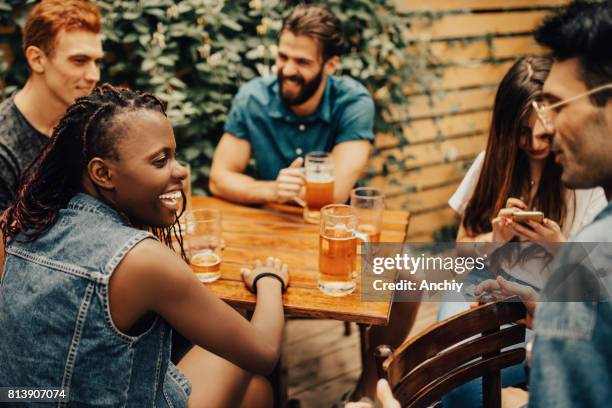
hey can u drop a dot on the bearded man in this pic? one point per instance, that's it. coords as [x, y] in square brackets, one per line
[278, 120]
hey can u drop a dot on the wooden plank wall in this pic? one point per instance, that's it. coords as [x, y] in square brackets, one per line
[472, 44]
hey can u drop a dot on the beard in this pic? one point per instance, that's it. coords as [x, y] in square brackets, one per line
[306, 88]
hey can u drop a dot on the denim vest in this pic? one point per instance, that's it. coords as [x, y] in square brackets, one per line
[56, 327]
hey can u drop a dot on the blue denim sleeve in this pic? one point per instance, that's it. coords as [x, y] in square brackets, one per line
[357, 121]
[572, 357]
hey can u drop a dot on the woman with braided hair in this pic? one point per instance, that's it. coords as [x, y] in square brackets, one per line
[91, 288]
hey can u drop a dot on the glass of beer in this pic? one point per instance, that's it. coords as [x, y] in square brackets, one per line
[338, 249]
[319, 169]
[369, 202]
[205, 244]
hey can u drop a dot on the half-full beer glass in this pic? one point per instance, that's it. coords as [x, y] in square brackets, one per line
[204, 239]
[370, 205]
[338, 249]
[319, 169]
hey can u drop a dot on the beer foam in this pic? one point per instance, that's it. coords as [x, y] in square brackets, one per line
[332, 238]
[319, 178]
[338, 228]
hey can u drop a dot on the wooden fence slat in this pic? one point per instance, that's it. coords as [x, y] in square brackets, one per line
[468, 25]
[466, 52]
[451, 5]
[429, 153]
[421, 178]
[444, 103]
[465, 76]
[423, 200]
[420, 131]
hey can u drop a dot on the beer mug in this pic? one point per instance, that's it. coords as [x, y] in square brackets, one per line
[338, 249]
[204, 240]
[319, 169]
[370, 205]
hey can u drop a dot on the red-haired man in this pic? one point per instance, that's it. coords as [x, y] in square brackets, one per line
[62, 44]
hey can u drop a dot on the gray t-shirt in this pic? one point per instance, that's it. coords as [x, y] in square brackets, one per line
[20, 143]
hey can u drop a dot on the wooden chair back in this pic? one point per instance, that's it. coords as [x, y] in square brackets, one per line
[455, 351]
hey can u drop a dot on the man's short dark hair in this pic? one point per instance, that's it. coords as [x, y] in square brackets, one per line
[319, 23]
[583, 30]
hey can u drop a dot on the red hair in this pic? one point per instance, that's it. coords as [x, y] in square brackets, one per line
[49, 17]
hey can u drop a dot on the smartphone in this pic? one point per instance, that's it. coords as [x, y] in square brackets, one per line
[524, 216]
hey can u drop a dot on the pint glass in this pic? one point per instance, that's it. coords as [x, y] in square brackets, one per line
[338, 249]
[369, 204]
[319, 169]
[204, 240]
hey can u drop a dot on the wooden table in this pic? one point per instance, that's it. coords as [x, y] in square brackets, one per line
[251, 233]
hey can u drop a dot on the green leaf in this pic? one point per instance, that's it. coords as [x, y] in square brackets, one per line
[157, 80]
[177, 83]
[131, 15]
[131, 37]
[161, 14]
[147, 65]
[167, 61]
[232, 25]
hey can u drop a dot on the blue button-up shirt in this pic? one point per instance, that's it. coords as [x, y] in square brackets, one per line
[278, 136]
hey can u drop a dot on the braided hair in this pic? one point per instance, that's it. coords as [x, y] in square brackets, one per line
[86, 130]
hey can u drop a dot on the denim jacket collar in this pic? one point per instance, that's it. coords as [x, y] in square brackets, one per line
[606, 212]
[86, 203]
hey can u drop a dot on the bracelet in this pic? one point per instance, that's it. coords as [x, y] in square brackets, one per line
[263, 275]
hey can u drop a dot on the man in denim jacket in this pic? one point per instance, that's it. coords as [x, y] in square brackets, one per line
[572, 356]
